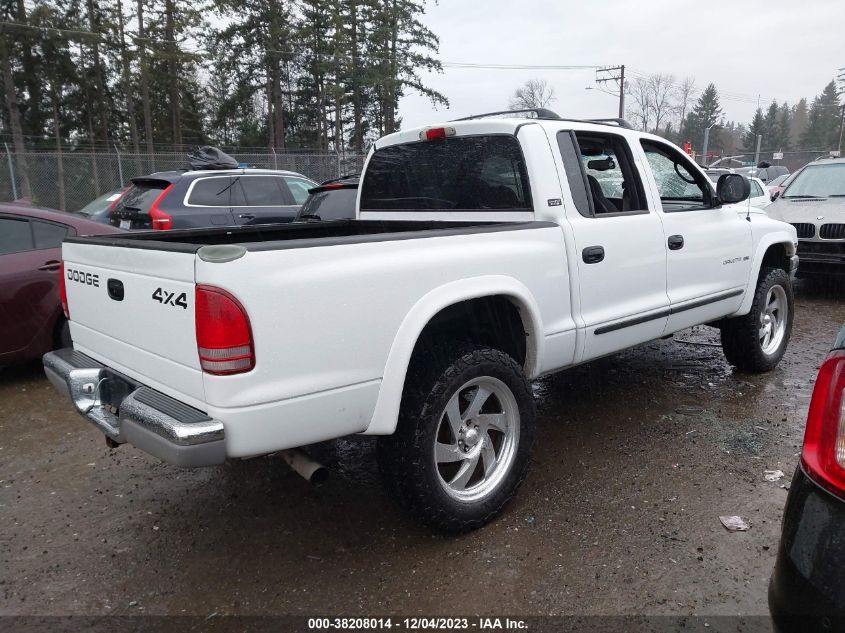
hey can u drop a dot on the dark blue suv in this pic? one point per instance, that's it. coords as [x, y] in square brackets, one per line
[189, 199]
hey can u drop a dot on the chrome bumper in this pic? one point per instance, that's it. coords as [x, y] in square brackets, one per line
[128, 412]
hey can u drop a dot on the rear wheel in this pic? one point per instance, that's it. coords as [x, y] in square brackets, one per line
[757, 341]
[463, 440]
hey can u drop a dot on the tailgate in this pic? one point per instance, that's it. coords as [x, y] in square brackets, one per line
[133, 310]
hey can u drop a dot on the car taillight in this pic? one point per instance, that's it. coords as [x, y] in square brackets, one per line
[63, 291]
[824, 440]
[224, 335]
[161, 221]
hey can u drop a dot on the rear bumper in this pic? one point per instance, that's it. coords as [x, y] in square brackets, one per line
[807, 590]
[126, 411]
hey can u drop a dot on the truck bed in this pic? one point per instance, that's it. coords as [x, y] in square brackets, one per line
[299, 235]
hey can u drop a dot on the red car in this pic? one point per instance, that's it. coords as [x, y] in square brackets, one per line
[31, 318]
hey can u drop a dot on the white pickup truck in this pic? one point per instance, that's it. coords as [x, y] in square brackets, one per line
[486, 252]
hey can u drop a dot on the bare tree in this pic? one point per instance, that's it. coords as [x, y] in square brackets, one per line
[660, 89]
[639, 102]
[535, 93]
[684, 94]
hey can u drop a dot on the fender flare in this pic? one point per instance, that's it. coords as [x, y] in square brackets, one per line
[393, 379]
[770, 239]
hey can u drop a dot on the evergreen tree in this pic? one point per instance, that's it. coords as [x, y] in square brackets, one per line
[798, 123]
[823, 121]
[705, 113]
[757, 127]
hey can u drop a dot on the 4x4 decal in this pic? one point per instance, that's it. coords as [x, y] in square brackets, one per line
[170, 298]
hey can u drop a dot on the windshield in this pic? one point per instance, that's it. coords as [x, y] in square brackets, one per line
[818, 181]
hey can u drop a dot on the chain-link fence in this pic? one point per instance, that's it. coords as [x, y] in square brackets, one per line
[70, 180]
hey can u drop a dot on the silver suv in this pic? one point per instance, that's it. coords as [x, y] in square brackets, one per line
[814, 203]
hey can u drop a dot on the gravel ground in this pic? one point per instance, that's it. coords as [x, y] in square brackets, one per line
[637, 455]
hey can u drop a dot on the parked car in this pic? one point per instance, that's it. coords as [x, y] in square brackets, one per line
[31, 320]
[332, 200]
[814, 203]
[780, 183]
[98, 209]
[765, 173]
[807, 590]
[202, 198]
[484, 254]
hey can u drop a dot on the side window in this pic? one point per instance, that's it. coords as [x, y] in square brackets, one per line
[211, 192]
[681, 186]
[15, 236]
[299, 188]
[48, 235]
[601, 174]
[262, 191]
[756, 191]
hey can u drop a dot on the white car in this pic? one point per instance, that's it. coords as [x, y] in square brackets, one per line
[760, 196]
[485, 253]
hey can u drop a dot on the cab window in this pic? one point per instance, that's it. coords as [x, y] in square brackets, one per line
[601, 174]
[681, 186]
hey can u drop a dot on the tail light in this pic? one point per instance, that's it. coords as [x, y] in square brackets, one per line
[63, 291]
[161, 221]
[224, 335]
[824, 440]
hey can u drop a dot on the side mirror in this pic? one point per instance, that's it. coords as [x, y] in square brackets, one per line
[733, 188]
[775, 195]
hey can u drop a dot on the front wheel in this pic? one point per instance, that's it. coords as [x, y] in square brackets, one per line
[757, 341]
[463, 440]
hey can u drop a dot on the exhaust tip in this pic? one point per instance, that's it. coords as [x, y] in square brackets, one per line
[311, 471]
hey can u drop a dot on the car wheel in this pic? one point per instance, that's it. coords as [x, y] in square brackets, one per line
[463, 440]
[757, 341]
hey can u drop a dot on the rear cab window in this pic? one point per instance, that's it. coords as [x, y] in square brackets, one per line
[457, 173]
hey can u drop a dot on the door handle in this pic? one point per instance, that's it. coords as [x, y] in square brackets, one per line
[246, 216]
[51, 265]
[593, 254]
[676, 242]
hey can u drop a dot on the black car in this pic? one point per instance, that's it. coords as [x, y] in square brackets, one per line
[188, 199]
[807, 590]
[332, 200]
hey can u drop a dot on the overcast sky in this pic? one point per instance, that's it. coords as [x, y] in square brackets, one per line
[782, 49]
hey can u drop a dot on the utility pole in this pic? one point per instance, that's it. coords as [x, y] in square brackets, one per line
[616, 74]
[706, 143]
